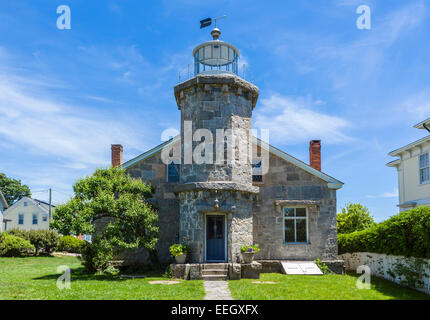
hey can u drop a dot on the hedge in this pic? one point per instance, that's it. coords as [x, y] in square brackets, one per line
[406, 234]
[45, 240]
[12, 246]
[71, 244]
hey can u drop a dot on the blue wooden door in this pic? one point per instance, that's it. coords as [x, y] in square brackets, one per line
[215, 238]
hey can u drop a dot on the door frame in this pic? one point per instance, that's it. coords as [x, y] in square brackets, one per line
[225, 236]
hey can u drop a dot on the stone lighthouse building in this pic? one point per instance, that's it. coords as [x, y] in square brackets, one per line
[215, 195]
[217, 187]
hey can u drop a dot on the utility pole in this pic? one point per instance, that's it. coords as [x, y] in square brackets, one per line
[50, 203]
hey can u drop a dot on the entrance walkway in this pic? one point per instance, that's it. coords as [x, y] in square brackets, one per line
[217, 290]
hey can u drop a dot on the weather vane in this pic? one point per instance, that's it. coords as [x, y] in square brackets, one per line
[208, 21]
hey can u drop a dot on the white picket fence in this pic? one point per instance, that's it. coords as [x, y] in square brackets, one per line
[380, 264]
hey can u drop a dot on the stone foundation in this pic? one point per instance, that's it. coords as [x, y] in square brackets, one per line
[251, 270]
[336, 266]
[270, 266]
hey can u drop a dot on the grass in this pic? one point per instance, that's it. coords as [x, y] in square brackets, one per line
[327, 287]
[36, 277]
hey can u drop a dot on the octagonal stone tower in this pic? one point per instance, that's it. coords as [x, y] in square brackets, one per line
[215, 191]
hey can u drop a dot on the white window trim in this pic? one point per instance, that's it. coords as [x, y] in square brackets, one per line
[32, 219]
[23, 219]
[295, 229]
[419, 169]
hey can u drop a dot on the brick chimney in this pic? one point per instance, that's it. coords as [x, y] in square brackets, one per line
[315, 154]
[116, 155]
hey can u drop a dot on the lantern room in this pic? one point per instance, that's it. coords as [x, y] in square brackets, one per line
[215, 57]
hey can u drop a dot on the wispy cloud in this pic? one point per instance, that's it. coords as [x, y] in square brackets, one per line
[417, 105]
[293, 120]
[42, 124]
[393, 194]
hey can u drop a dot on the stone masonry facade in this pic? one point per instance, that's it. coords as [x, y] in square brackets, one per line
[253, 211]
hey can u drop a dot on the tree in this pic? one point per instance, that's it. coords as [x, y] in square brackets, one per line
[113, 208]
[354, 217]
[12, 189]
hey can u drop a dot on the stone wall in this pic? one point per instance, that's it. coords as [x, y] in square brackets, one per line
[153, 171]
[234, 205]
[285, 181]
[381, 264]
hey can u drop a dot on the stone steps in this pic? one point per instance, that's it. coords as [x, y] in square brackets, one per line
[215, 266]
[215, 271]
[214, 277]
[208, 272]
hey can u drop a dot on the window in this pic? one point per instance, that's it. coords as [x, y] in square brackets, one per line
[173, 172]
[295, 225]
[257, 170]
[25, 204]
[424, 168]
[45, 218]
[35, 218]
[21, 218]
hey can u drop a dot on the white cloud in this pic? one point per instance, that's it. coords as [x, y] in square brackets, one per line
[393, 194]
[47, 126]
[294, 120]
[417, 105]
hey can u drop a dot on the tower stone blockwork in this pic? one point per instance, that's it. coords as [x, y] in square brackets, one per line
[216, 102]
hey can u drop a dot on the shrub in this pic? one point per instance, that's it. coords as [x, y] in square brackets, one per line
[354, 217]
[71, 244]
[24, 234]
[252, 248]
[115, 210]
[12, 246]
[179, 249]
[96, 255]
[46, 240]
[406, 234]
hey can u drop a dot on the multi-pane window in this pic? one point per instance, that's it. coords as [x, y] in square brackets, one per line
[173, 172]
[295, 225]
[35, 218]
[257, 170]
[21, 218]
[45, 218]
[424, 168]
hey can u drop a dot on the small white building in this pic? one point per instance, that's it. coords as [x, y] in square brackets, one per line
[28, 214]
[413, 169]
[3, 207]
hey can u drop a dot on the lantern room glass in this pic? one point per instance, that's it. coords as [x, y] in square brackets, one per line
[215, 57]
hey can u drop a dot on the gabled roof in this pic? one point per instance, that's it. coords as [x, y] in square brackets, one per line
[32, 202]
[3, 200]
[423, 124]
[332, 182]
[415, 144]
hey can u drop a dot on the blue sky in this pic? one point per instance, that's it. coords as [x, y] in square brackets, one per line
[67, 95]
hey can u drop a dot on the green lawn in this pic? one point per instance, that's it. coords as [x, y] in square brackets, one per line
[35, 278]
[327, 287]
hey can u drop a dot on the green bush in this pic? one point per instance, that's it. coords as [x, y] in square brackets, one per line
[24, 234]
[71, 244]
[46, 240]
[406, 234]
[96, 255]
[12, 246]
